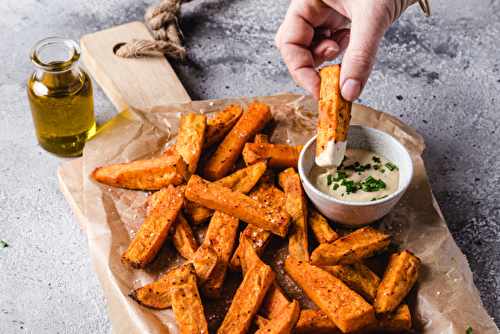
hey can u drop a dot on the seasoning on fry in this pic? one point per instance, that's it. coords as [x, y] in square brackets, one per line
[157, 294]
[333, 119]
[154, 230]
[186, 300]
[255, 118]
[360, 244]
[398, 279]
[147, 174]
[238, 205]
[348, 310]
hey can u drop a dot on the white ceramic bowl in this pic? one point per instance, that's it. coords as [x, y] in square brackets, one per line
[357, 214]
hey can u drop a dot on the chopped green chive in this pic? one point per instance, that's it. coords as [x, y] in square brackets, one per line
[3, 243]
[390, 166]
[377, 160]
[371, 184]
[369, 179]
[375, 167]
[329, 179]
[342, 163]
[358, 185]
[375, 199]
[340, 176]
[382, 170]
[359, 169]
[336, 186]
[349, 187]
[469, 330]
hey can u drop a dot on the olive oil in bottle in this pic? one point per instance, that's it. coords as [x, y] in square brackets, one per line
[61, 97]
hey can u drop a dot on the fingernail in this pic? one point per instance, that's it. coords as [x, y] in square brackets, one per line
[329, 52]
[351, 89]
[345, 41]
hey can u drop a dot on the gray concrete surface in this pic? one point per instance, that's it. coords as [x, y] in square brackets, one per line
[439, 75]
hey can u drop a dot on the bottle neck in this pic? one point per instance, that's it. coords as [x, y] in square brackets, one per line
[55, 79]
[56, 62]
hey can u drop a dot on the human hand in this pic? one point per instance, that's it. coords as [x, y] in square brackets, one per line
[314, 32]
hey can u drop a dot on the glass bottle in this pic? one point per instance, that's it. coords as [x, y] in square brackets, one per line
[60, 97]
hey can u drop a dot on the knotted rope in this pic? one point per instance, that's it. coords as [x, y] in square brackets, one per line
[163, 19]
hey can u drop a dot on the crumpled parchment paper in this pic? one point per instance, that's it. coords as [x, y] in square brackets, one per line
[444, 299]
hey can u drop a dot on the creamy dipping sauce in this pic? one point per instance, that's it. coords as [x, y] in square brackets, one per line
[354, 178]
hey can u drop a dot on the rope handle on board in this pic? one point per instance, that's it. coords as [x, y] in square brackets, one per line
[169, 39]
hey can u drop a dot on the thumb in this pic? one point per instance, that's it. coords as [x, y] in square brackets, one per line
[367, 30]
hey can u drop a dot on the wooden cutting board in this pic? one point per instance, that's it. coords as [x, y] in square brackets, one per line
[128, 82]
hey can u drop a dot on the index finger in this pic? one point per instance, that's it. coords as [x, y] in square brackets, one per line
[294, 37]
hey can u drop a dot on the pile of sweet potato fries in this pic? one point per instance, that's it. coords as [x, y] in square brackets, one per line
[202, 178]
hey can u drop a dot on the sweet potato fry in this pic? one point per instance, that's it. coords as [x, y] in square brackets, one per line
[296, 206]
[398, 321]
[154, 230]
[247, 300]
[275, 198]
[275, 300]
[333, 119]
[245, 179]
[183, 237]
[153, 199]
[265, 183]
[319, 226]
[196, 213]
[315, 322]
[190, 139]
[204, 260]
[361, 244]
[219, 125]
[154, 295]
[309, 322]
[238, 205]
[260, 321]
[249, 257]
[169, 152]
[283, 175]
[147, 174]
[284, 322]
[348, 310]
[398, 279]
[258, 237]
[157, 294]
[186, 301]
[221, 233]
[181, 234]
[261, 138]
[241, 181]
[281, 156]
[255, 118]
[357, 277]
